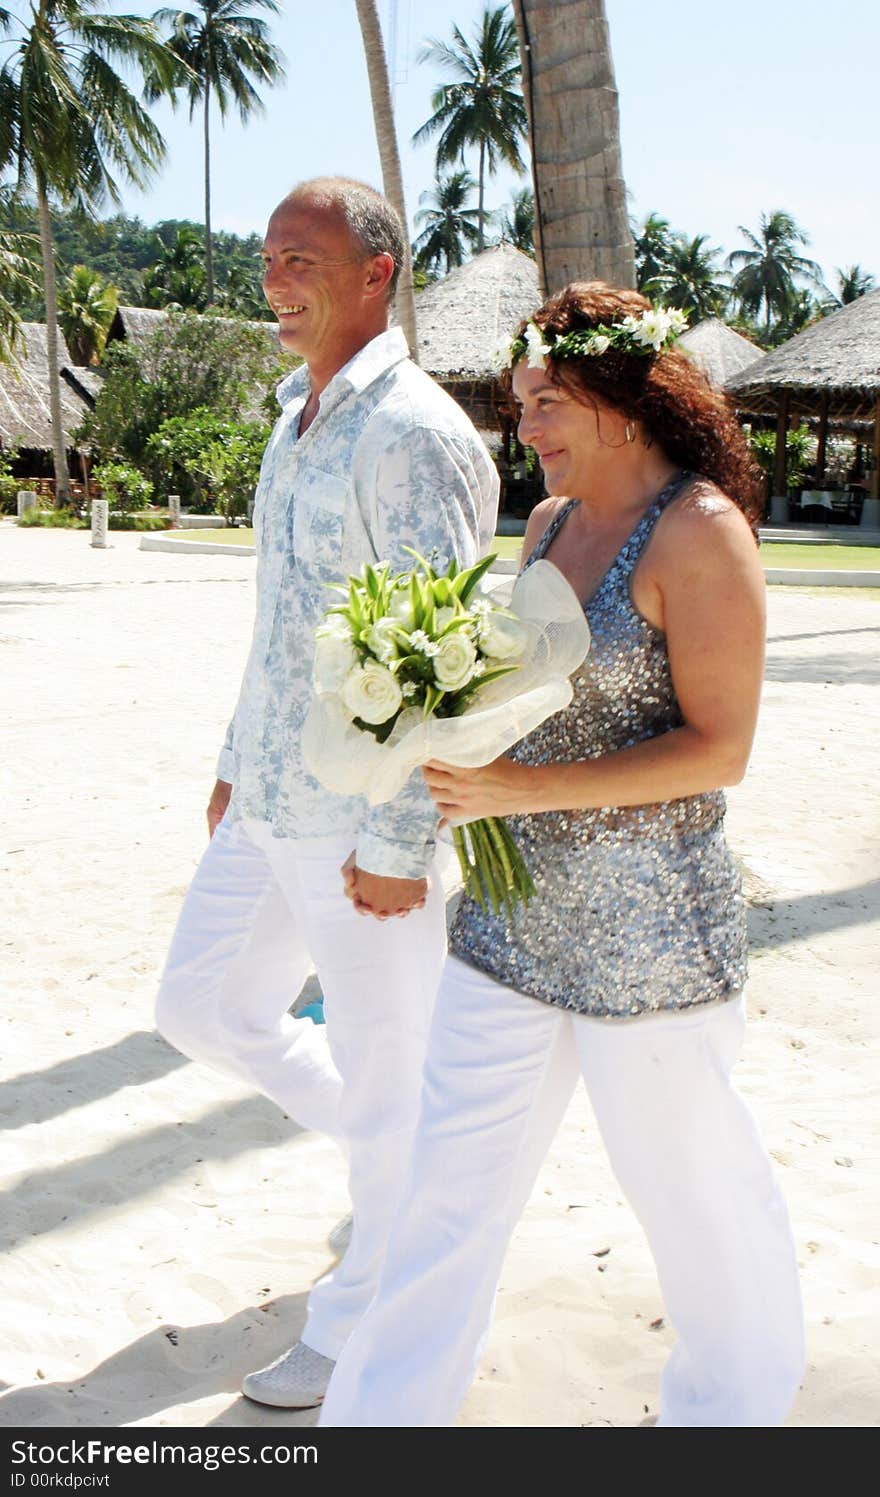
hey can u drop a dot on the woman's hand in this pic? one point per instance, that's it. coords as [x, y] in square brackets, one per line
[501, 788]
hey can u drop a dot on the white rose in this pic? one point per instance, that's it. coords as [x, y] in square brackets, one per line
[442, 617]
[334, 658]
[371, 693]
[501, 637]
[599, 343]
[454, 662]
[381, 639]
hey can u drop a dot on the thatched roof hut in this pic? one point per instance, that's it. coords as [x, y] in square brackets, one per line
[137, 324]
[830, 370]
[464, 317]
[719, 350]
[837, 359]
[25, 419]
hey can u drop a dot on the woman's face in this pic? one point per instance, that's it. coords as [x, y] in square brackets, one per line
[567, 435]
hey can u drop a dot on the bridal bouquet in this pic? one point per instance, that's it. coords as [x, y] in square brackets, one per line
[414, 666]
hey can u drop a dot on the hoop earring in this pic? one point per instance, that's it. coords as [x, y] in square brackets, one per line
[630, 431]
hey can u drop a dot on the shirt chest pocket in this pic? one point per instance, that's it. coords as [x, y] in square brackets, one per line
[317, 523]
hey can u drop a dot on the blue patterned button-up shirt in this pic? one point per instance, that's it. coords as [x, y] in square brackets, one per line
[389, 461]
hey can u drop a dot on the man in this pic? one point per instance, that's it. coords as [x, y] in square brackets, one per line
[367, 457]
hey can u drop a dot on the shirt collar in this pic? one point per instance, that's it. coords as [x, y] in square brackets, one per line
[371, 361]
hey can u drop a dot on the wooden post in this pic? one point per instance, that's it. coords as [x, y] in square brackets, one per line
[823, 441]
[779, 496]
[870, 519]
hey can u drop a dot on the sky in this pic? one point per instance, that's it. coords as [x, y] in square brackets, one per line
[726, 111]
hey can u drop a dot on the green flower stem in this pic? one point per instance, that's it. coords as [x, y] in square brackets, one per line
[492, 867]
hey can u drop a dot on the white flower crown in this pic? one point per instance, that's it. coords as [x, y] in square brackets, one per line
[655, 329]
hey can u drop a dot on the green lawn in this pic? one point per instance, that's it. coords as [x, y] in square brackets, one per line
[233, 536]
[821, 558]
[773, 553]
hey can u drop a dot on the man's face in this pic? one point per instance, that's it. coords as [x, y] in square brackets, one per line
[313, 277]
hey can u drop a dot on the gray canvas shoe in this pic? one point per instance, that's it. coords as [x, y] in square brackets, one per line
[296, 1380]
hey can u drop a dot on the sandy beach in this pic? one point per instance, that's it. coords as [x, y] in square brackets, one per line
[162, 1226]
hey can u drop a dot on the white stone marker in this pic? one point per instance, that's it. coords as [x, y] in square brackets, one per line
[26, 499]
[174, 510]
[100, 509]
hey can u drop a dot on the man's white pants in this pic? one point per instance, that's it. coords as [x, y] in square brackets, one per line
[260, 911]
[500, 1071]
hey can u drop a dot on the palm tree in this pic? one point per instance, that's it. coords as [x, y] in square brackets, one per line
[450, 228]
[86, 306]
[851, 284]
[582, 230]
[691, 278]
[802, 310]
[177, 277]
[19, 253]
[483, 107]
[653, 247]
[389, 157]
[769, 268]
[518, 226]
[68, 121]
[242, 293]
[222, 50]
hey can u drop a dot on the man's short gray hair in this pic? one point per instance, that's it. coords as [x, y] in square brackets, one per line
[369, 216]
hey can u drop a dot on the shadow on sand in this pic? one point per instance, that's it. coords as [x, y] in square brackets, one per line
[167, 1367]
[36, 1096]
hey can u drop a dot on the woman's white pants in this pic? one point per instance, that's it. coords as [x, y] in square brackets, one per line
[500, 1071]
[260, 912]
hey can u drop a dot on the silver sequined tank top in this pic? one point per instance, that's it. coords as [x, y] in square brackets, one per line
[637, 908]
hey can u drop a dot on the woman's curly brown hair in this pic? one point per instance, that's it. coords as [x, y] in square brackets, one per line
[672, 398]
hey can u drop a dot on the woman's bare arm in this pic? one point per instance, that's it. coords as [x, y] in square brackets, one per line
[710, 590]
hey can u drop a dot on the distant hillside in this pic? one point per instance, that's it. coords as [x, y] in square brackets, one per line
[123, 248]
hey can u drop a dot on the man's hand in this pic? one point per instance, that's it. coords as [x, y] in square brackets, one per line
[374, 894]
[217, 805]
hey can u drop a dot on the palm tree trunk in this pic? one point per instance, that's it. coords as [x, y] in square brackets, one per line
[209, 247]
[59, 455]
[481, 237]
[389, 156]
[581, 226]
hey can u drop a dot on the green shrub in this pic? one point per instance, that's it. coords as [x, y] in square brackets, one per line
[123, 486]
[210, 459]
[9, 486]
[53, 519]
[118, 520]
[798, 445]
[190, 362]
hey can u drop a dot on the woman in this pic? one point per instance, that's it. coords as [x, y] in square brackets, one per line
[628, 964]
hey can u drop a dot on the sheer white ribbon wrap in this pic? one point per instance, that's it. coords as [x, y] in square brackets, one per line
[350, 761]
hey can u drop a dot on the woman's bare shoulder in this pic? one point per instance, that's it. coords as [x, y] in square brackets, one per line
[702, 515]
[543, 514]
